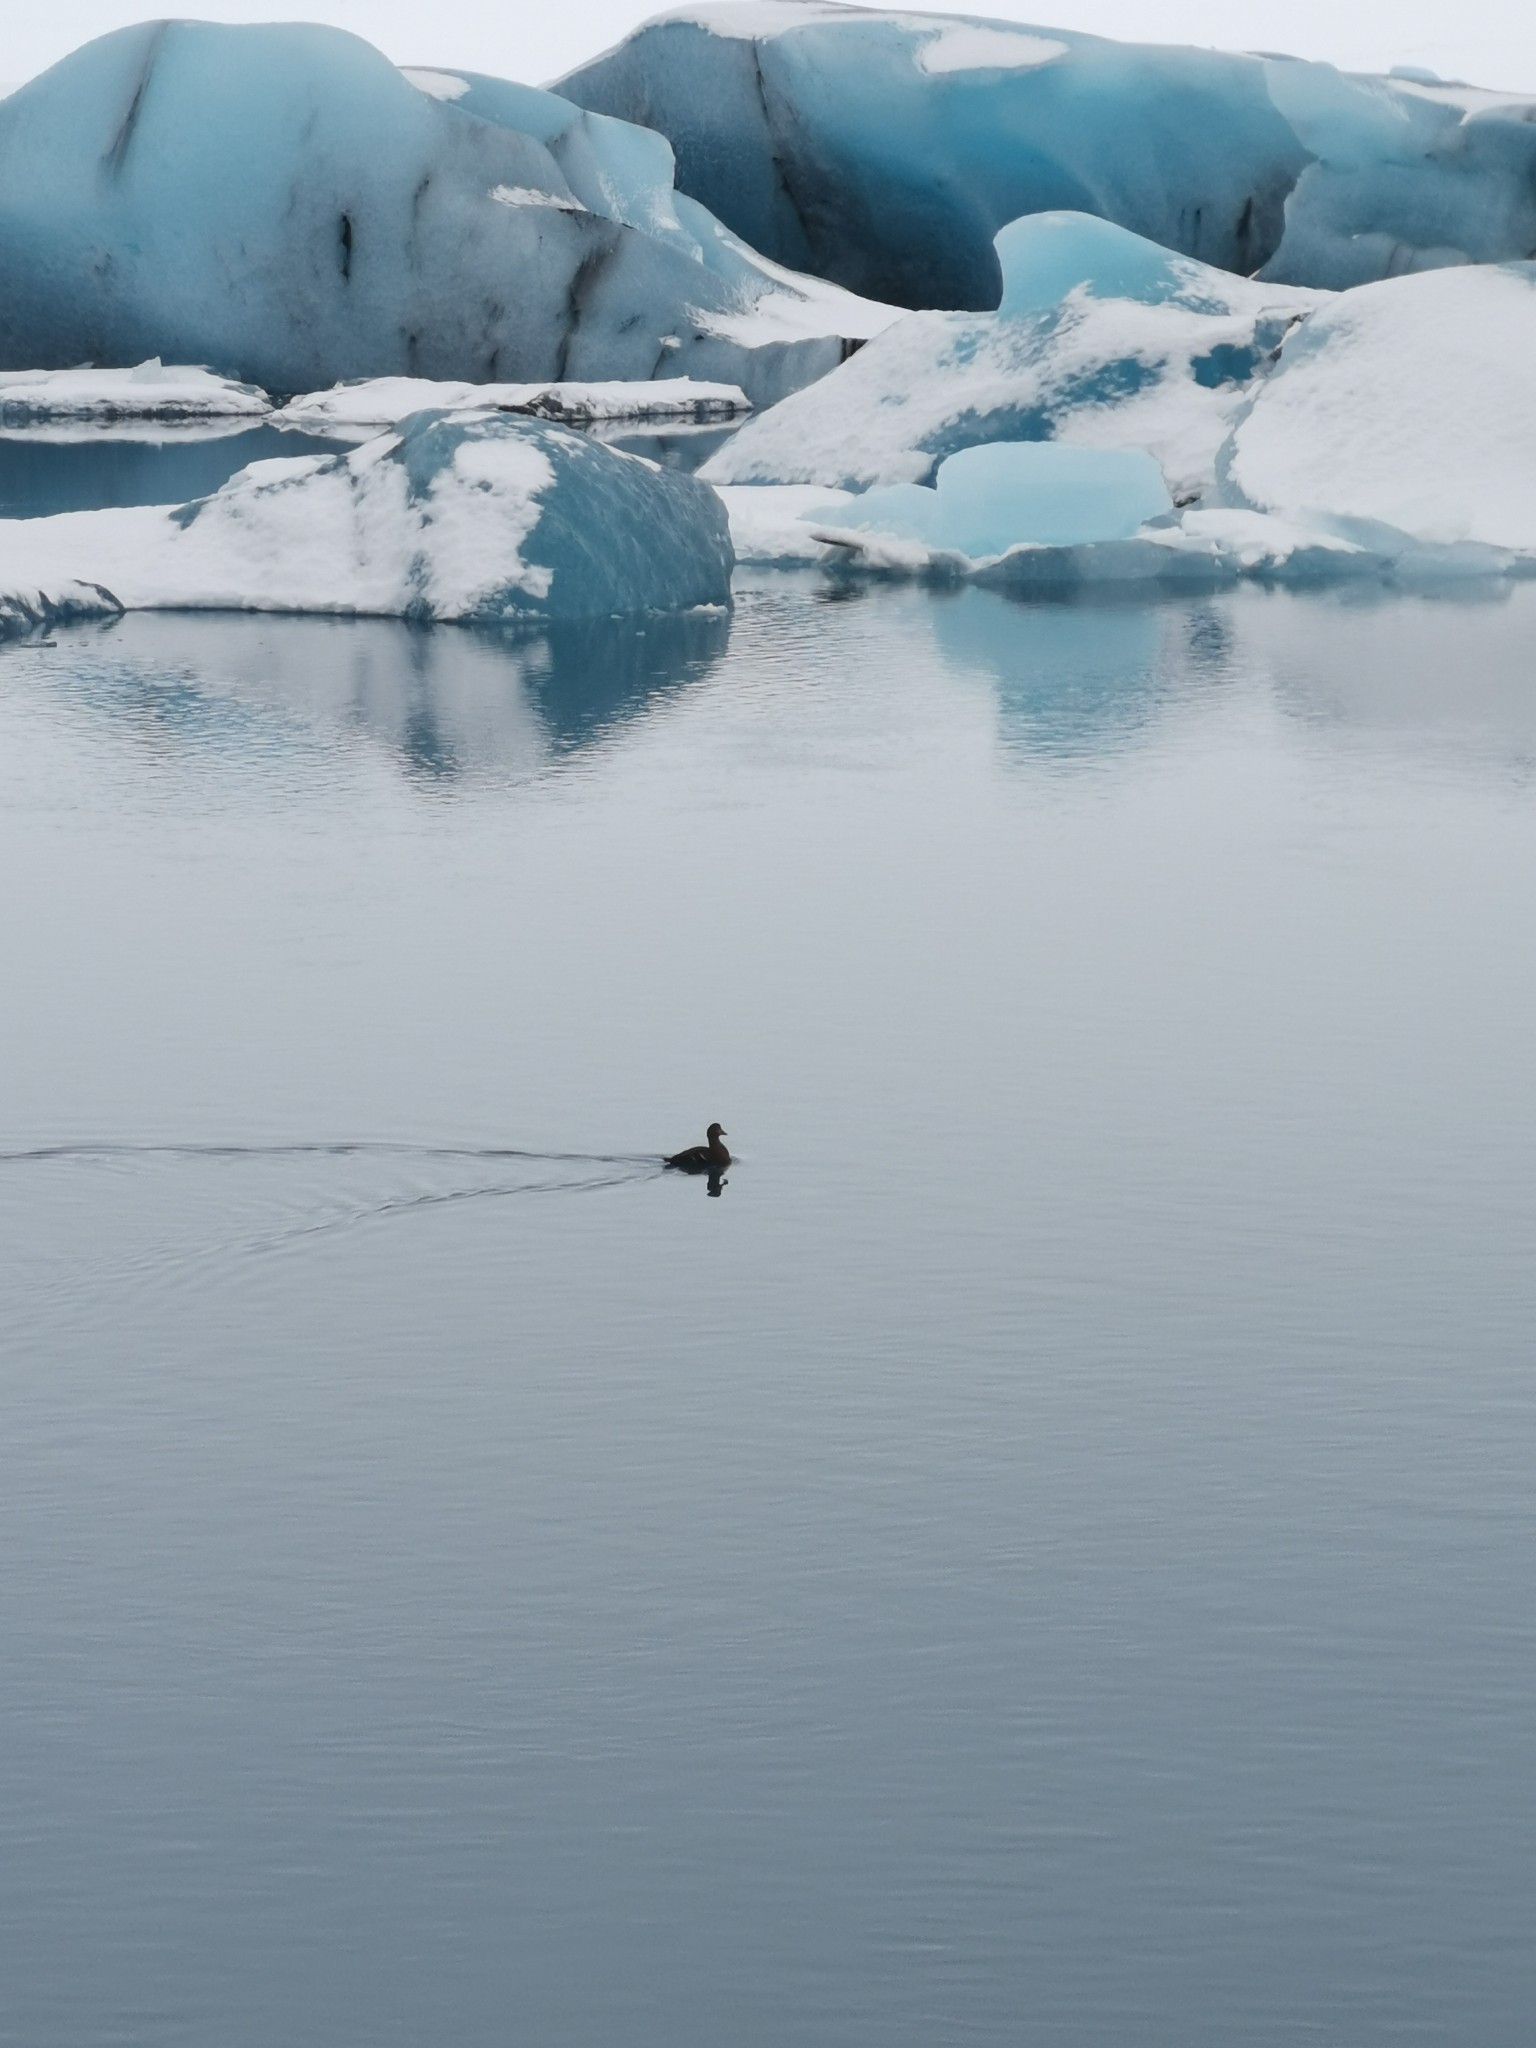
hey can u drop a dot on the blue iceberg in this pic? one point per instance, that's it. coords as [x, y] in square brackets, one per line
[885, 150]
[987, 500]
[484, 517]
[627, 173]
[281, 204]
[1103, 339]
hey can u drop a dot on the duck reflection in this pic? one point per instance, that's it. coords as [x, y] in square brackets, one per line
[450, 706]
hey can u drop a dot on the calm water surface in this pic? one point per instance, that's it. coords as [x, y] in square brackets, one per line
[1046, 1556]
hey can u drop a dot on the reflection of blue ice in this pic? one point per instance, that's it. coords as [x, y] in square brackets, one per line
[1073, 679]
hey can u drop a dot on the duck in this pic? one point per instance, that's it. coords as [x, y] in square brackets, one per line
[710, 1157]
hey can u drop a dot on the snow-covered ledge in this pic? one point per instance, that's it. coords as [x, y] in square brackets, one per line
[149, 391]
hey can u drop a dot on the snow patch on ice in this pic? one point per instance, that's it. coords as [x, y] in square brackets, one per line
[769, 521]
[971, 47]
[528, 195]
[437, 85]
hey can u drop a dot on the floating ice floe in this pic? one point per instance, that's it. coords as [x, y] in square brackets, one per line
[281, 203]
[29, 608]
[1103, 339]
[885, 150]
[479, 516]
[150, 391]
[381, 401]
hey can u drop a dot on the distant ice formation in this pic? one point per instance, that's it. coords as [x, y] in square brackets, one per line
[477, 516]
[381, 401]
[149, 391]
[885, 150]
[282, 204]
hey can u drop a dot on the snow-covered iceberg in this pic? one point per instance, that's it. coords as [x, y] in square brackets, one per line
[30, 608]
[1408, 406]
[282, 204]
[458, 516]
[1000, 537]
[885, 150]
[148, 391]
[1103, 339]
[1394, 437]
[382, 401]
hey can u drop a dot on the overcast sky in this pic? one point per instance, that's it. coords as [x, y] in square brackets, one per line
[1491, 42]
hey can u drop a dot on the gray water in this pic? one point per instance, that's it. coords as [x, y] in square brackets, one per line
[1044, 1556]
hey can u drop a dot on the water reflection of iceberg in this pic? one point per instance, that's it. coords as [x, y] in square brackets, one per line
[448, 704]
[1074, 678]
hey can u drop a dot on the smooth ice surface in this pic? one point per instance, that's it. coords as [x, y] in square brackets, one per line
[466, 516]
[885, 149]
[1103, 340]
[1010, 494]
[1410, 404]
[150, 390]
[282, 204]
[1407, 176]
[1045, 1558]
[383, 401]
[626, 172]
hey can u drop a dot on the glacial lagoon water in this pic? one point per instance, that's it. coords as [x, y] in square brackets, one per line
[77, 467]
[1046, 1555]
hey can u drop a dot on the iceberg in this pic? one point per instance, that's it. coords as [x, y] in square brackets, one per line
[884, 150]
[626, 172]
[1407, 407]
[149, 391]
[31, 608]
[1409, 174]
[994, 537]
[383, 401]
[1010, 494]
[1102, 339]
[281, 204]
[474, 516]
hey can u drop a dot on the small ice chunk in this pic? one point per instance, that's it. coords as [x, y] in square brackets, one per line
[1009, 494]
